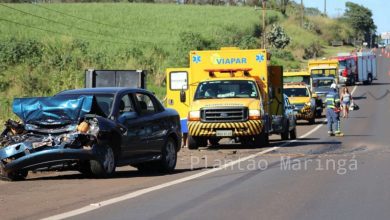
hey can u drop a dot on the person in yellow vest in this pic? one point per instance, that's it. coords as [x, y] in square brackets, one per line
[333, 111]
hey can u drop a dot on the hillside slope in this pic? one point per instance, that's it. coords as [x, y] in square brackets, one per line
[45, 48]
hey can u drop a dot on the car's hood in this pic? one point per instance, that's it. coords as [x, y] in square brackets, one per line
[56, 110]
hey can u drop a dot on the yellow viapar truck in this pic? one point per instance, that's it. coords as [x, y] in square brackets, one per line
[301, 76]
[230, 93]
[324, 68]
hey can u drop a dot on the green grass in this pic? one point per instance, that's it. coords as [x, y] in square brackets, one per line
[137, 25]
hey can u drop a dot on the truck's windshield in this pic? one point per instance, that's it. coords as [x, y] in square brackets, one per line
[294, 79]
[323, 72]
[322, 83]
[296, 92]
[226, 89]
[342, 64]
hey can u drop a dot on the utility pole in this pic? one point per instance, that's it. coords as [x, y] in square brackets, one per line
[303, 12]
[325, 7]
[264, 37]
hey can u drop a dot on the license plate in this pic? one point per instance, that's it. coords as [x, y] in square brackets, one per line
[224, 133]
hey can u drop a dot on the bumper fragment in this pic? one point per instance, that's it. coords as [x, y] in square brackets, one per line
[48, 157]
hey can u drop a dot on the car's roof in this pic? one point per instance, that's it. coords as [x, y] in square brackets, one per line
[100, 90]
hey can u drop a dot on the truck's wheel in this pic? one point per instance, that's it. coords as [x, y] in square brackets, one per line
[262, 140]
[285, 133]
[169, 156]
[12, 176]
[293, 133]
[105, 164]
[196, 142]
[318, 113]
[312, 120]
[369, 81]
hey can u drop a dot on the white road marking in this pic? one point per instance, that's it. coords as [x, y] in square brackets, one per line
[137, 193]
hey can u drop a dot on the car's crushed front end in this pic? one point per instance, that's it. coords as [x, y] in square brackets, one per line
[55, 134]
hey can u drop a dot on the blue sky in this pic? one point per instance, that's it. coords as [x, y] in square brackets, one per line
[379, 8]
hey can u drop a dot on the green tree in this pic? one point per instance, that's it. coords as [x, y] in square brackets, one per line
[283, 6]
[360, 19]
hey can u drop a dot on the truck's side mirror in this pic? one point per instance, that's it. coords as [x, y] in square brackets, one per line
[182, 96]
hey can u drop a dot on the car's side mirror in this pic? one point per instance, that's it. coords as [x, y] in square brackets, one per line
[127, 116]
[182, 96]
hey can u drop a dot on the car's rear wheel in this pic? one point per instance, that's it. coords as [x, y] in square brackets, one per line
[169, 156]
[285, 133]
[167, 163]
[105, 164]
[12, 176]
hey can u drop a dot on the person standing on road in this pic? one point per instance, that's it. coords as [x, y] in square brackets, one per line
[346, 99]
[333, 110]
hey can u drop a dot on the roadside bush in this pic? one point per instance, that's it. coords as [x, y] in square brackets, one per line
[277, 37]
[14, 51]
[314, 50]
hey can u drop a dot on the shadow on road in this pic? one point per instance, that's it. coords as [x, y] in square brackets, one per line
[303, 143]
[359, 98]
[117, 175]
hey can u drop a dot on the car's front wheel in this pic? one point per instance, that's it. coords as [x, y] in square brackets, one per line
[105, 164]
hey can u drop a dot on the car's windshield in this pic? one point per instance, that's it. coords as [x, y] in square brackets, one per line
[323, 72]
[322, 83]
[103, 102]
[296, 92]
[294, 79]
[227, 89]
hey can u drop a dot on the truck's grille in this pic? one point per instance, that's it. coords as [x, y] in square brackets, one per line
[224, 114]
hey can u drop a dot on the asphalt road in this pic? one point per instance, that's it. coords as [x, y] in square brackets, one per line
[315, 177]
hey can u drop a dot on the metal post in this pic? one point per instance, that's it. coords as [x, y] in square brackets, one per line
[303, 12]
[264, 37]
[325, 7]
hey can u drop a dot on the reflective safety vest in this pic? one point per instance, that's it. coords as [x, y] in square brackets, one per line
[332, 100]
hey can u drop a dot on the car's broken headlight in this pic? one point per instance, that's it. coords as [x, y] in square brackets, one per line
[89, 127]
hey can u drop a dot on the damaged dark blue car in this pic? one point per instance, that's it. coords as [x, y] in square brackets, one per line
[92, 131]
